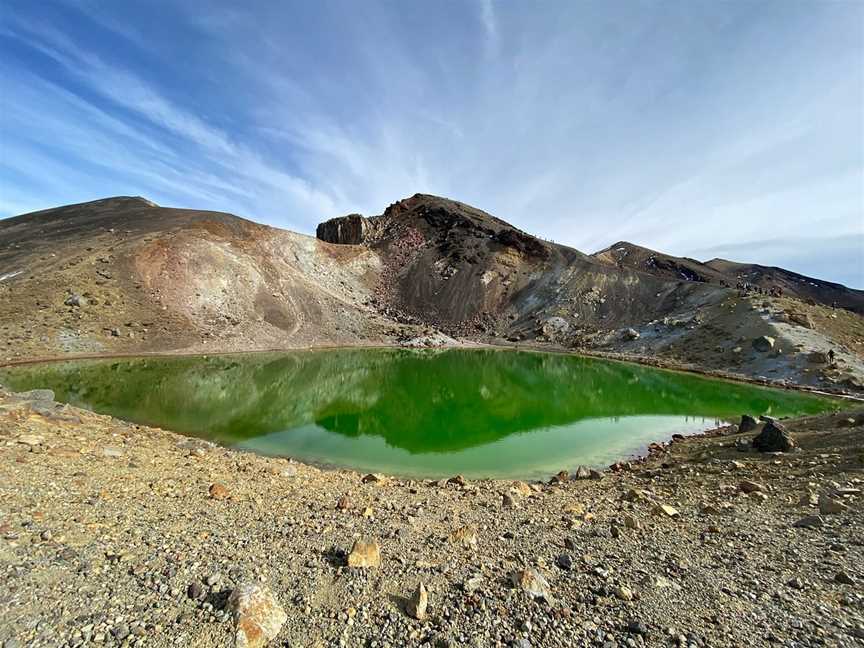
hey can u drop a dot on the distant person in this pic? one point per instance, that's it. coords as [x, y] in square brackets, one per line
[831, 356]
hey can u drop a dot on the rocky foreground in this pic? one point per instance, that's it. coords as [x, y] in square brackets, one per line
[116, 534]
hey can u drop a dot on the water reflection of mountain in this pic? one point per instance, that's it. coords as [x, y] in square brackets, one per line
[415, 401]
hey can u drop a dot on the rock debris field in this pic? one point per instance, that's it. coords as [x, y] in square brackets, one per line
[115, 534]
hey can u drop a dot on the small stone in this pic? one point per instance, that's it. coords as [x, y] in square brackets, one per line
[665, 510]
[521, 488]
[30, 439]
[565, 561]
[808, 499]
[195, 590]
[632, 523]
[808, 522]
[624, 593]
[466, 535]
[365, 554]
[458, 480]
[473, 583]
[637, 627]
[561, 477]
[419, 601]
[531, 581]
[830, 506]
[750, 487]
[219, 492]
[257, 614]
[373, 478]
[843, 578]
[113, 453]
[120, 631]
[508, 501]
[344, 503]
[635, 495]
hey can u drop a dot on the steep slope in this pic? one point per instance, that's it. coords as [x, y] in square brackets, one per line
[747, 278]
[469, 273]
[791, 284]
[123, 274]
[636, 257]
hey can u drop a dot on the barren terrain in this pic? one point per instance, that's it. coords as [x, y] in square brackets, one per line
[113, 533]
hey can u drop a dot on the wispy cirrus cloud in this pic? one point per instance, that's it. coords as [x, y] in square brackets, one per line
[582, 122]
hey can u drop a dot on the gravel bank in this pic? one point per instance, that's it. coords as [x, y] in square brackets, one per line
[115, 534]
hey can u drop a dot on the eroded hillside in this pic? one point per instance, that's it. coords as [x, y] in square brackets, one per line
[123, 275]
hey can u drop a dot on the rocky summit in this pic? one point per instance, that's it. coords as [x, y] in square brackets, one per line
[114, 533]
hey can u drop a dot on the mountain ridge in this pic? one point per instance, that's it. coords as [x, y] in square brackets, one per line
[124, 275]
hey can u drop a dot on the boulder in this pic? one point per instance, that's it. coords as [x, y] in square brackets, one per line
[630, 334]
[801, 319]
[764, 343]
[774, 438]
[258, 617]
[555, 327]
[748, 424]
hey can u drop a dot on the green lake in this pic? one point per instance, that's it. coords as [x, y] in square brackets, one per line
[480, 413]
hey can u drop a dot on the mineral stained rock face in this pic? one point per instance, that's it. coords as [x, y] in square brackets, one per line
[257, 614]
[352, 229]
[774, 438]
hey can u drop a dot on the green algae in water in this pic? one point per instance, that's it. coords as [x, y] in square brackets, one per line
[481, 413]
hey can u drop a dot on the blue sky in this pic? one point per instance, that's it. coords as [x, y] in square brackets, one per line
[705, 129]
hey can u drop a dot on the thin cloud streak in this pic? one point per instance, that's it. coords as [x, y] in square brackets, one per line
[580, 122]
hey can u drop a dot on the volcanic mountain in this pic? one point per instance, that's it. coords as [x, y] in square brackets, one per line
[123, 275]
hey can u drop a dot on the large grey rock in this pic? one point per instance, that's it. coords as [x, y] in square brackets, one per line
[774, 438]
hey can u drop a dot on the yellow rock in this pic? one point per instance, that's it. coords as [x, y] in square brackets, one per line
[365, 553]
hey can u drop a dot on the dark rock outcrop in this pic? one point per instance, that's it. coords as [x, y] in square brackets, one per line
[352, 229]
[748, 424]
[774, 438]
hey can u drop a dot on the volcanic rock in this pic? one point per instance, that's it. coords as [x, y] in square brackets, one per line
[258, 617]
[364, 554]
[748, 424]
[774, 438]
[764, 343]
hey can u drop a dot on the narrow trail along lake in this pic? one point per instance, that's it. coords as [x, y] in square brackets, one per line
[480, 413]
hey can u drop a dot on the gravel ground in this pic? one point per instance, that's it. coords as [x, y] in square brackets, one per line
[116, 534]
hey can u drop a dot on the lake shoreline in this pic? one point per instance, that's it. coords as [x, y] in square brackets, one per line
[120, 534]
[650, 361]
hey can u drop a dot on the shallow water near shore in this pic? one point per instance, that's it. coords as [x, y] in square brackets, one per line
[480, 413]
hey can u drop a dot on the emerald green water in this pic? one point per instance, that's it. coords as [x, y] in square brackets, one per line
[480, 413]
